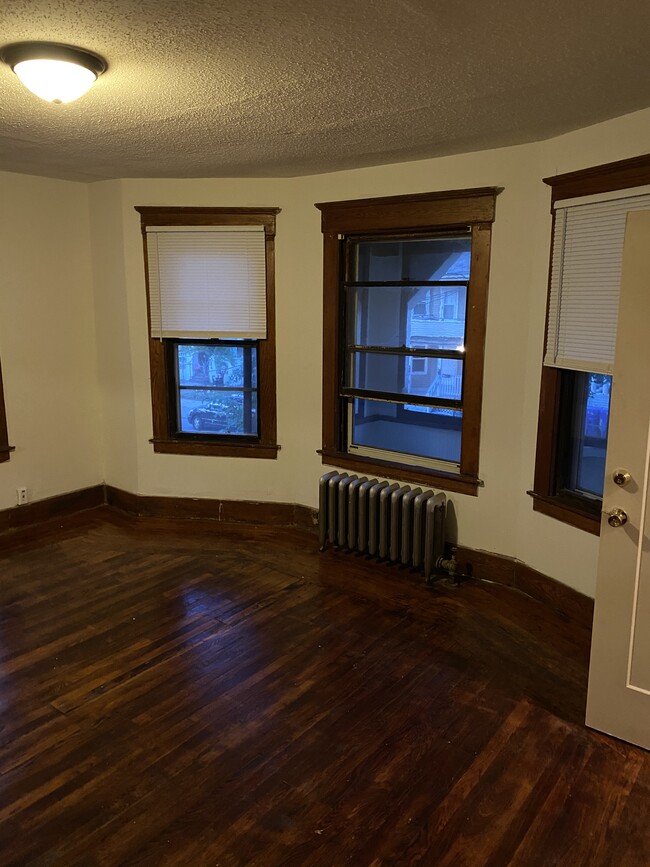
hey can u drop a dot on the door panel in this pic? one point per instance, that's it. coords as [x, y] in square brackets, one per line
[619, 677]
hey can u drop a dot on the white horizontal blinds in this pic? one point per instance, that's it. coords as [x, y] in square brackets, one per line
[585, 281]
[207, 281]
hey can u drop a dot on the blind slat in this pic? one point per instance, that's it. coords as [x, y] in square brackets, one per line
[585, 283]
[207, 281]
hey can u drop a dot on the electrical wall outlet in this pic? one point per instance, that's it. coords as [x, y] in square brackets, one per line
[21, 496]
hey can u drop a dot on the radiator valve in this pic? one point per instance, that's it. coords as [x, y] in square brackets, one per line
[448, 566]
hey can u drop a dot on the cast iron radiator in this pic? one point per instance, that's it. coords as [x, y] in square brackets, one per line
[396, 523]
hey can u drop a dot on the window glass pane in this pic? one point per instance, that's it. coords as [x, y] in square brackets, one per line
[406, 374]
[443, 258]
[591, 422]
[425, 317]
[392, 427]
[216, 388]
[224, 412]
[224, 366]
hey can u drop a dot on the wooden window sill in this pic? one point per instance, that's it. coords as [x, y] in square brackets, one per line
[456, 482]
[225, 450]
[5, 452]
[555, 507]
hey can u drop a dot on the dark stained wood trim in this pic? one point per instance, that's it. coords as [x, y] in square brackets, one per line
[235, 450]
[554, 507]
[227, 511]
[332, 363]
[5, 448]
[139, 505]
[474, 361]
[549, 404]
[620, 175]
[52, 507]
[184, 216]
[547, 420]
[164, 440]
[267, 386]
[416, 211]
[456, 482]
[511, 572]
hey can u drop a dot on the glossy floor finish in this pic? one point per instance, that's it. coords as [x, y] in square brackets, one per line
[192, 694]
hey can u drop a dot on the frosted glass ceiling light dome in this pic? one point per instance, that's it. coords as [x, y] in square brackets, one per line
[56, 73]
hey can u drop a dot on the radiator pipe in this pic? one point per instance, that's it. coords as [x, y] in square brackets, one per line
[450, 566]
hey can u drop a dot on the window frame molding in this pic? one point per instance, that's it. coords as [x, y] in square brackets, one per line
[164, 439]
[5, 448]
[394, 215]
[571, 509]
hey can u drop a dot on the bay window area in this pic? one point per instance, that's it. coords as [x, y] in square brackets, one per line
[211, 304]
[405, 304]
[590, 210]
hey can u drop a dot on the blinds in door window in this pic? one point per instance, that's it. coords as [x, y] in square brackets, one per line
[585, 279]
[207, 281]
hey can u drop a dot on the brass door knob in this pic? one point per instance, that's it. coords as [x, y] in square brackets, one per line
[621, 478]
[616, 518]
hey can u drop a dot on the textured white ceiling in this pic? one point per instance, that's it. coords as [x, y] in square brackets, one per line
[292, 87]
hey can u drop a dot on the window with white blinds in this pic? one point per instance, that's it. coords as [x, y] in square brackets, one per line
[207, 281]
[585, 279]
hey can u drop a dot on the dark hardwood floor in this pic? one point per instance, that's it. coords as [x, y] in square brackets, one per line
[180, 693]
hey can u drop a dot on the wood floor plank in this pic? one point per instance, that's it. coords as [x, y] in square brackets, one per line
[175, 693]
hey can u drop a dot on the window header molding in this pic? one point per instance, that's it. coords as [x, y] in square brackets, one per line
[190, 216]
[599, 198]
[415, 211]
[634, 172]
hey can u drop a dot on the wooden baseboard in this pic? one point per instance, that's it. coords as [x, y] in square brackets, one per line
[138, 505]
[513, 573]
[480, 564]
[53, 507]
[229, 511]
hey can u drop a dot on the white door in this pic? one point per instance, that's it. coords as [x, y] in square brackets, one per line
[619, 676]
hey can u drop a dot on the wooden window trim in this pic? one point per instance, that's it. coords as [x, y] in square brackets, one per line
[447, 210]
[621, 175]
[164, 439]
[5, 448]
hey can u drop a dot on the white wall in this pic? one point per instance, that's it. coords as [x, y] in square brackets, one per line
[47, 338]
[500, 519]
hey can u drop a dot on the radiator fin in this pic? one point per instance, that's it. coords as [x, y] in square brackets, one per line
[386, 520]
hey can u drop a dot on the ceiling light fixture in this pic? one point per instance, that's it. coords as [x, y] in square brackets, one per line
[56, 73]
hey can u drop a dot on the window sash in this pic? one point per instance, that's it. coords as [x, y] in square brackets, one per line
[585, 280]
[207, 281]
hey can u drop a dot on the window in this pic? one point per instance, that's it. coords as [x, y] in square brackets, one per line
[403, 348]
[210, 291]
[5, 448]
[589, 212]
